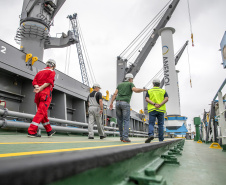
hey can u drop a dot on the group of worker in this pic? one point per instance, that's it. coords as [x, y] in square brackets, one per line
[156, 97]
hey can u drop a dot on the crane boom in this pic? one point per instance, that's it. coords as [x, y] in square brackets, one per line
[177, 58]
[73, 19]
[135, 67]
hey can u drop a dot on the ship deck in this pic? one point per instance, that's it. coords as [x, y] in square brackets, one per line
[19, 144]
[199, 164]
[77, 160]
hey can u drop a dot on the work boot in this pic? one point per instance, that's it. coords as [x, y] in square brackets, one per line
[148, 140]
[126, 140]
[33, 135]
[121, 138]
[50, 134]
[102, 137]
[90, 137]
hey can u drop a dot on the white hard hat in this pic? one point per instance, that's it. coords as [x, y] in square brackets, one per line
[129, 75]
[156, 80]
[51, 62]
[96, 85]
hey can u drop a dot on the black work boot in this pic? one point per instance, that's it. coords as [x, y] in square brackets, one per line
[50, 134]
[148, 140]
[102, 137]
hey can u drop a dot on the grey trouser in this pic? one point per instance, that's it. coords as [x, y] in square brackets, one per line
[95, 117]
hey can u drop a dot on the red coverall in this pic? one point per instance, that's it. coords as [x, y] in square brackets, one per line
[42, 99]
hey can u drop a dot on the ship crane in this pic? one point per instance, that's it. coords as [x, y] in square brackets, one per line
[35, 22]
[151, 38]
[147, 40]
[74, 23]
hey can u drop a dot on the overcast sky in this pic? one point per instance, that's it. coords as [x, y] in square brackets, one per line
[108, 27]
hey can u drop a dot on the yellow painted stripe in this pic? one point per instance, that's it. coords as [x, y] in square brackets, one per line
[60, 150]
[14, 143]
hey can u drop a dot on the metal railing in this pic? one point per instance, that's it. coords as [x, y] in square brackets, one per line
[13, 124]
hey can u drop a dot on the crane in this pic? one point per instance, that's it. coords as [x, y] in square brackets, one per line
[73, 19]
[35, 22]
[134, 68]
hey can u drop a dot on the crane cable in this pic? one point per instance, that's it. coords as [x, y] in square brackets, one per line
[190, 24]
[69, 53]
[144, 30]
[66, 60]
[132, 56]
[65, 69]
[69, 60]
[145, 39]
[189, 68]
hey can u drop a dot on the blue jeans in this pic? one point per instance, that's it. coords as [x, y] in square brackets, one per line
[123, 118]
[152, 117]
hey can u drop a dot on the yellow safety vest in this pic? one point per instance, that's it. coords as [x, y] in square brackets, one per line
[156, 95]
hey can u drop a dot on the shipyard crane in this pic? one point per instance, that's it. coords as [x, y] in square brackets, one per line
[74, 23]
[134, 68]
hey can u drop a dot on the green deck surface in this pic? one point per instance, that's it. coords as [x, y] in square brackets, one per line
[198, 165]
[14, 145]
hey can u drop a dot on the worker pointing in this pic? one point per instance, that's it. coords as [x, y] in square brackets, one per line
[43, 84]
[124, 92]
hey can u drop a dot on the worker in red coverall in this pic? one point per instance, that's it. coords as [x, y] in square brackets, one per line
[43, 86]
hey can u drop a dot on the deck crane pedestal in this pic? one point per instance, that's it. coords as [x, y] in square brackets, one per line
[175, 123]
[35, 22]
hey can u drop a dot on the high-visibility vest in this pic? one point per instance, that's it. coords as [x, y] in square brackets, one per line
[156, 95]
